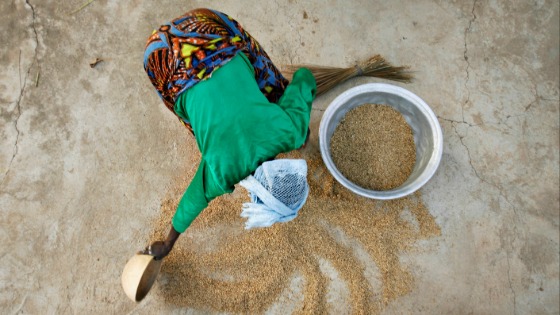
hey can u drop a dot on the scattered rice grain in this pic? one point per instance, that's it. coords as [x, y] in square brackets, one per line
[218, 266]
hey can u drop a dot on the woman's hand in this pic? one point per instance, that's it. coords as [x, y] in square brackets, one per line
[158, 249]
[161, 249]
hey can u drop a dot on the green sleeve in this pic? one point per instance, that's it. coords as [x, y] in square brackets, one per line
[297, 101]
[194, 200]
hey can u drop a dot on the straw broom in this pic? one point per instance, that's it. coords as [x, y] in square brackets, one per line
[329, 77]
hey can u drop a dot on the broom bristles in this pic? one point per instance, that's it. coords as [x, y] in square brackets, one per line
[329, 77]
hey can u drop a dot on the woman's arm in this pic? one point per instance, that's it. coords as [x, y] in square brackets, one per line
[193, 202]
[297, 102]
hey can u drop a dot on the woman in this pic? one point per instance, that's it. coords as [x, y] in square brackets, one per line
[223, 86]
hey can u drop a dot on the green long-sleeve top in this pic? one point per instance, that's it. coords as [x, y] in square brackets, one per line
[237, 128]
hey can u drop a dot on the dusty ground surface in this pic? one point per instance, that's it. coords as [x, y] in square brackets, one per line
[88, 154]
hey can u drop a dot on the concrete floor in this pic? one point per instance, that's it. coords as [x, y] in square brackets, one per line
[88, 153]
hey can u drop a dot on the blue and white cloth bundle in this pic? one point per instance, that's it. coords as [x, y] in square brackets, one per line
[278, 190]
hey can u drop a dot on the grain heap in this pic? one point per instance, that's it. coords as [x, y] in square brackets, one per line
[373, 147]
[219, 266]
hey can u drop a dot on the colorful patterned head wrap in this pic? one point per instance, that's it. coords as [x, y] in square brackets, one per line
[188, 49]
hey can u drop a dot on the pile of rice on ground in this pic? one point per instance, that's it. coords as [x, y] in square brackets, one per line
[217, 265]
